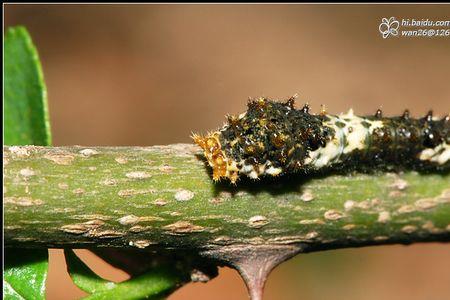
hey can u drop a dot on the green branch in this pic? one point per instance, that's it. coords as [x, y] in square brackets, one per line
[163, 196]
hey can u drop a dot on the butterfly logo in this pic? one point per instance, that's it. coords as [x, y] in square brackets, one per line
[389, 27]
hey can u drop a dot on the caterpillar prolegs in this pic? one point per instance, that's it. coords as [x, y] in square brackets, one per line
[273, 138]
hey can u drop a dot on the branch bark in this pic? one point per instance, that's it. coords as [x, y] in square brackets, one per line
[163, 197]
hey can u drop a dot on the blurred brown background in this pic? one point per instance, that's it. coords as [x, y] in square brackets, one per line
[151, 74]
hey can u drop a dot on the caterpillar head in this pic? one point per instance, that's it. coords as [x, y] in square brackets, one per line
[254, 143]
[212, 150]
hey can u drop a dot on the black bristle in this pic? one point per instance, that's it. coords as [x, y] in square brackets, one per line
[305, 108]
[379, 114]
[429, 116]
[405, 115]
[290, 102]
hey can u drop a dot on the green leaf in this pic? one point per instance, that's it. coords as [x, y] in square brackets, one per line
[25, 123]
[84, 277]
[25, 273]
[153, 284]
[26, 118]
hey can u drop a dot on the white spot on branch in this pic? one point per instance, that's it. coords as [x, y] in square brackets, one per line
[94, 223]
[63, 186]
[128, 220]
[426, 203]
[18, 151]
[400, 184]
[166, 168]
[27, 172]
[333, 215]
[255, 240]
[75, 228]
[141, 244]
[307, 196]
[110, 285]
[349, 226]
[105, 234]
[183, 227]
[109, 182]
[396, 194]
[138, 175]
[78, 191]
[97, 218]
[429, 226]
[184, 195]
[312, 221]
[132, 192]
[312, 235]
[406, 209]
[384, 217]
[409, 229]
[22, 201]
[60, 158]
[88, 152]
[132, 219]
[223, 240]
[81, 228]
[150, 219]
[139, 228]
[380, 238]
[257, 221]
[216, 200]
[121, 160]
[160, 202]
[349, 204]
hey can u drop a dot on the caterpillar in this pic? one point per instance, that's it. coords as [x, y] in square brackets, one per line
[273, 138]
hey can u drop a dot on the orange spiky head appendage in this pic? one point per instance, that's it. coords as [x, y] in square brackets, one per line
[214, 154]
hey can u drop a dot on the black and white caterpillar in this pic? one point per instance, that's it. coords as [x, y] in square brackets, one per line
[273, 138]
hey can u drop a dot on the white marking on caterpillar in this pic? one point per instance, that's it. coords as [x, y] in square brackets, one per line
[247, 169]
[242, 115]
[253, 175]
[439, 154]
[273, 171]
[356, 137]
[345, 139]
[332, 150]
